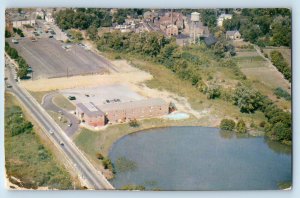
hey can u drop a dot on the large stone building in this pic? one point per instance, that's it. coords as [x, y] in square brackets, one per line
[121, 112]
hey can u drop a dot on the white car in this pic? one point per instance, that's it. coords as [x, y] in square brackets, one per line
[51, 132]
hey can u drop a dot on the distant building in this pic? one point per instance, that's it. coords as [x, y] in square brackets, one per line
[40, 12]
[209, 41]
[19, 24]
[171, 30]
[233, 35]
[121, 112]
[49, 18]
[90, 114]
[223, 17]
[174, 18]
[150, 16]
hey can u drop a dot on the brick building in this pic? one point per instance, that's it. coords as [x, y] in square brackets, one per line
[90, 114]
[121, 112]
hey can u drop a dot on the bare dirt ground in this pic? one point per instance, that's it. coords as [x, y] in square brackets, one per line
[128, 75]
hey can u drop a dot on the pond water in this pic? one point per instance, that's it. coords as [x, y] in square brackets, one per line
[199, 158]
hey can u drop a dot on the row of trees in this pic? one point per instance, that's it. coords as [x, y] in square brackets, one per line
[279, 122]
[23, 66]
[263, 26]
[83, 18]
[282, 66]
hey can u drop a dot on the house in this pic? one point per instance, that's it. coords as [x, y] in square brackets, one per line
[90, 114]
[233, 35]
[223, 17]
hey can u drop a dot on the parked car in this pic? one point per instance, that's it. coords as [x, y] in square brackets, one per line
[72, 98]
[69, 124]
[8, 86]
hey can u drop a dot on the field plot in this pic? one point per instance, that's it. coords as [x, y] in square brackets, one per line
[50, 58]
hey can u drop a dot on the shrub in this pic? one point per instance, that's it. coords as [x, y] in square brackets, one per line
[241, 127]
[133, 187]
[107, 164]
[262, 124]
[227, 124]
[213, 92]
[134, 123]
[281, 93]
[99, 156]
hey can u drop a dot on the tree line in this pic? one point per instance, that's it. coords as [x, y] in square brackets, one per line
[23, 66]
[271, 27]
[282, 66]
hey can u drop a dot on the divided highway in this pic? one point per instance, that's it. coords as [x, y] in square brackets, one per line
[86, 171]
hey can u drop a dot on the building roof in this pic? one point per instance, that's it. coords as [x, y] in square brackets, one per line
[90, 109]
[132, 105]
[210, 40]
[231, 33]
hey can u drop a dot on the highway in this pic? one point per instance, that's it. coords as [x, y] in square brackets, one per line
[86, 171]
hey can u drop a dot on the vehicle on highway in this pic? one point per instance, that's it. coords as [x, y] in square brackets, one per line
[72, 98]
[8, 86]
[61, 143]
[51, 131]
[14, 41]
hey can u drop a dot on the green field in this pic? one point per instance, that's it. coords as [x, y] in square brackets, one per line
[29, 159]
[63, 102]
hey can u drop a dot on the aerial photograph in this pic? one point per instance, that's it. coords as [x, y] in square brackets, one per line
[148, 99]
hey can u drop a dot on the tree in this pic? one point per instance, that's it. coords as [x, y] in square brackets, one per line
[134, 123]
[247, 99]
[282, 31]
[7, 34]
[22, 72]
[241, 126]
[92, 32]
[227, 124]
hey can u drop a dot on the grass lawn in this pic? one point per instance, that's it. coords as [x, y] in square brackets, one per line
[63, 102]
[39, 95]
[30, 160]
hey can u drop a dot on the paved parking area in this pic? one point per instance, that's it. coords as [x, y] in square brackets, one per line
[49, 59]
[103, 94]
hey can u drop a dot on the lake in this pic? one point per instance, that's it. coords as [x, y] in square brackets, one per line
[199, 158]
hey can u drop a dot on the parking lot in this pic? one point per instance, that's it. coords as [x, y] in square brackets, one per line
[102, 94]
[50, 58]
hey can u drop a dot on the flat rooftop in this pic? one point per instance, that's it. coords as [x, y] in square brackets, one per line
[49, 59]
[132, 105]
[104, 94]
[89, 109]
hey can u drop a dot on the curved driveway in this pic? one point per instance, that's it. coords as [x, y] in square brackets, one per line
[49, 105]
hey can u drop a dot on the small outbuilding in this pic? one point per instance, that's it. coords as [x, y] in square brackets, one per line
[233, 35]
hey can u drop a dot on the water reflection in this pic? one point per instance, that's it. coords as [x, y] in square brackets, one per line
[278, 147]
